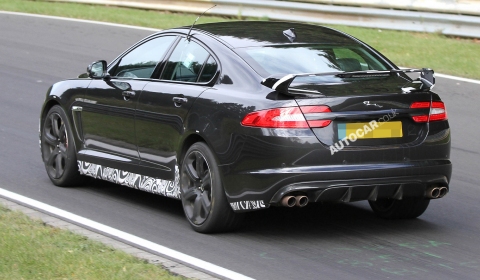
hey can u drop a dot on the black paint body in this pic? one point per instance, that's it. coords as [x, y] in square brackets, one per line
[149, 133]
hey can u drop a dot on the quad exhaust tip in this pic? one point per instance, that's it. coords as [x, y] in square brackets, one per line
[443, 192]
[290, 201]
[301, 201]
[434, 192]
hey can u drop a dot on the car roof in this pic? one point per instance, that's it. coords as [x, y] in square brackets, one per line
[239, 34]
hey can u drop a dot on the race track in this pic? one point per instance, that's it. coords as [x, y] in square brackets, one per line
[337, 241]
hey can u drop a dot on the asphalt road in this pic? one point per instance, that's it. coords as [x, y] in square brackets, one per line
[341, 241]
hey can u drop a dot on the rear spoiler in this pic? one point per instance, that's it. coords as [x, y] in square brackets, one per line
[281, 84]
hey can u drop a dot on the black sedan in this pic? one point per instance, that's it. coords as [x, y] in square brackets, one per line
[241, 116]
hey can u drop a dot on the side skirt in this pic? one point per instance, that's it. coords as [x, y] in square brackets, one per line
[132, 180]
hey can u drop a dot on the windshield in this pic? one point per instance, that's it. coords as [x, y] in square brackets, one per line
[294, 59]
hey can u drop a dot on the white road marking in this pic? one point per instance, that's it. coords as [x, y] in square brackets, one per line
[81, 20]
[458, 78]
[132, 239]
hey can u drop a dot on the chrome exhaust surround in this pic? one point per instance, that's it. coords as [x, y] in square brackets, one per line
[288, 201]
[301, 201]
[443, 192]
[434, 192]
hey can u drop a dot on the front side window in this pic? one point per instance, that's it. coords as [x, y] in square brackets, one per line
[141, 61]
[189, 62]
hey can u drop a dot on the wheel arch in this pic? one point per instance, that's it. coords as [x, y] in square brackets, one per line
[221, 216]
[187, 143]
[196, 138]
[46, 107]
[66, 169]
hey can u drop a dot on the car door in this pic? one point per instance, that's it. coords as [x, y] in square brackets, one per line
[164, 104]
[108, 113]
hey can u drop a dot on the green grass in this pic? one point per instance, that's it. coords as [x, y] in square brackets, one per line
[443, 54]
[31, 250]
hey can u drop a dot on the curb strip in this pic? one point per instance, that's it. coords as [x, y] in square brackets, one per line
[170, 265]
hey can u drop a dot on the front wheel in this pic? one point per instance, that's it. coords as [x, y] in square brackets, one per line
[58, 151]
[407, 208]
[203, 197]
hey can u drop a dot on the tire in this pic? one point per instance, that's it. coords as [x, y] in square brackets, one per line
[407, 208]
[203, 197]
[58, 150]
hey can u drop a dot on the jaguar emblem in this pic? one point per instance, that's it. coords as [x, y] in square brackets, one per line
[372, 104]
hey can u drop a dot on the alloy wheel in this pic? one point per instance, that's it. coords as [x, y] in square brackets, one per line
[55, 145]
[196, 187]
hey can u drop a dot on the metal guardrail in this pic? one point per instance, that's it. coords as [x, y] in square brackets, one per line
[461, 7]
[448, 24]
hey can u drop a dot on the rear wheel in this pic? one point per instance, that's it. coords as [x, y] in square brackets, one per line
[58, 151]
[407, 208]
[203, 197]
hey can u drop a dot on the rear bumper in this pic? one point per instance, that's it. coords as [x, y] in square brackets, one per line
[362, 189]
[340, 183]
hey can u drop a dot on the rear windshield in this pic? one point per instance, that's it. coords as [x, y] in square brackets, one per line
[294, 59]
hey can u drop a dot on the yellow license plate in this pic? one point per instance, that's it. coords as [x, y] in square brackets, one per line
[371, 130]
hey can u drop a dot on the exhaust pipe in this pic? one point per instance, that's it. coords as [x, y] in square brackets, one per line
[433, 192]
[443, 191]
[436, 192]
[288, 201]
[301, 200]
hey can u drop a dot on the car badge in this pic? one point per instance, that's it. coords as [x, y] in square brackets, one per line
[372, 104]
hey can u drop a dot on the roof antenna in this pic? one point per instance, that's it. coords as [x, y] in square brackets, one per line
[189, 31]
[290, 34]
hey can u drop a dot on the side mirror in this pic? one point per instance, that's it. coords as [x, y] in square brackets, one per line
[97, 70]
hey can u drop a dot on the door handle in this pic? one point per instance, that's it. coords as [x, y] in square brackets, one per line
[179, 101]
[128, 94]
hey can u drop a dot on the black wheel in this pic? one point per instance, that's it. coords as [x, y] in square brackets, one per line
[58, 151]
[203, 197]
[407, 208]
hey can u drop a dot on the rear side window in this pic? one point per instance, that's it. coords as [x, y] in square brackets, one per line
[208, 71]
[189, 62]
[141, 61]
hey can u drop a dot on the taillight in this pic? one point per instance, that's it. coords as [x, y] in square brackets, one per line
[291, 117]
[313, 110]
[438, 112]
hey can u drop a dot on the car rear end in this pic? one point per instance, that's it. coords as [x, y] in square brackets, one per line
[359, 147]
[398, 144]
[376, 137]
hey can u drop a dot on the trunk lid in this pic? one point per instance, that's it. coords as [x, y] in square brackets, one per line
[367, 112]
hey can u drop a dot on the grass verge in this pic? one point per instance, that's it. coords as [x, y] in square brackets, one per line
[31, 250]
[447, 55]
